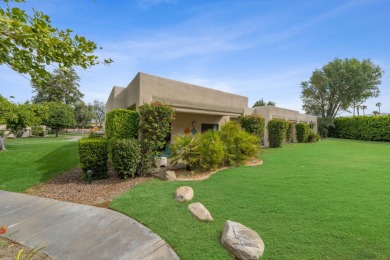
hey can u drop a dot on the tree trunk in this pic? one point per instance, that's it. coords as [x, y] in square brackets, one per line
[57, 130]
[2, 146]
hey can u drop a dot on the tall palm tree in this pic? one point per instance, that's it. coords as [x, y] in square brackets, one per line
[364, 108]
[379, 107]
[357, 109]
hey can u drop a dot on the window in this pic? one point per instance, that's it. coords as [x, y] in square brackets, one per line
[205, 127]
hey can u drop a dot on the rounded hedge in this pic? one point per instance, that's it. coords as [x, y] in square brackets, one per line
[303, 131]
[122, 124]
[93, 154]
[126, 156]
[277, 130]
[253, 124]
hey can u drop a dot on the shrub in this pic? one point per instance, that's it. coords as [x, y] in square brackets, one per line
[277, 129]
[154, 127]
[303, 131]
[253, 124]
[186, 148]
[313, 137]
[93, 156]
[211, 149]
[289, 133]
[325, 126]
[126, 156]
[239, 144]
[368, 128]
[122, 124]
[37, 131]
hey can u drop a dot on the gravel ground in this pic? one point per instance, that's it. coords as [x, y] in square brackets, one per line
[9, 250]
[71, 187]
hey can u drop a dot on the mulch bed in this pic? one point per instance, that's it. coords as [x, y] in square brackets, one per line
[72, 187]
[9, 250]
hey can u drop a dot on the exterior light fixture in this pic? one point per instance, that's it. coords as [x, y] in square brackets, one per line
[193, 123]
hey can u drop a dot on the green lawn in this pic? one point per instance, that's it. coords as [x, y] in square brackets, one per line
[328, 200]
[30, 161]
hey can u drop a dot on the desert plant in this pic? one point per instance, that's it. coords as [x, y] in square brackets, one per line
[239, 144]
[93, 156]
[186, 149]
[277, 129]
[126, 156]
[212, 149]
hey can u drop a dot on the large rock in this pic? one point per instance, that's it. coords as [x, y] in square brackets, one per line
[168, 176]
[184, 193]
[200, 211]
[242, 241]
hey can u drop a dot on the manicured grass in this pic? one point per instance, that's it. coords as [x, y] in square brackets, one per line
[30, 161]
[328, 200]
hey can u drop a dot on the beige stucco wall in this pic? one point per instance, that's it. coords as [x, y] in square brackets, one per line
[270, 112]
[184, 120]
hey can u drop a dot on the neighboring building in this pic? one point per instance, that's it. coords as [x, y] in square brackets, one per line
[197, 108]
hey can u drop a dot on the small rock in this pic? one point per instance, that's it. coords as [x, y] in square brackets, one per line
[242, 241]
[200, 211]
[168, 176]
[184, 193]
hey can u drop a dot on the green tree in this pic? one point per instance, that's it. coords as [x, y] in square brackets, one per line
[339, 85]
[271, 103]
[83, 114]
[17, 117]
[364, 107]
[98, 108]
[29, 43]
[261, 103]
[59, 86]
[59, 116]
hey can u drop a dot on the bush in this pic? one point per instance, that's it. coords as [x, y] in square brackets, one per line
[126, 156]
[186, 148]
[154, 127]
[289, 133]
[313, 137]
[122, 124]
[253, 124]
[325, 126]
[37, 131]
[239, 144]
[93, 156]
[277, 130]
[368, 128]
[211, 149]
[303, 131]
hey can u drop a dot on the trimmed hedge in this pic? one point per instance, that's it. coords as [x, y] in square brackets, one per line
[303, 131]
[277, 130]
[122, 124]
[93, 156]
[126, 156]
[253, 124]
[368, 128]
[289, 133]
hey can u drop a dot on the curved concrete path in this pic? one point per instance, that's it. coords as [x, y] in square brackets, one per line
[74, 231]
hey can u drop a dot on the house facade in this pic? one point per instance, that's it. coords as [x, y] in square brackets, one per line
[197, 108]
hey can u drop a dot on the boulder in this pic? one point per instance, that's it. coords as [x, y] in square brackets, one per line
[184, 193]
[200, 211]
[168, 176]
[242, 241]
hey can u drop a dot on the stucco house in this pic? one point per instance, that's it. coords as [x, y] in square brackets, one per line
[197, 108]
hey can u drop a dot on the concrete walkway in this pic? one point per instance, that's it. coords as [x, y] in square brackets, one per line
[74, 231]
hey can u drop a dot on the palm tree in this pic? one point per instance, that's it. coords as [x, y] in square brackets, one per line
[379, 107]
[357, 109]
[364, 108]
[375, 113]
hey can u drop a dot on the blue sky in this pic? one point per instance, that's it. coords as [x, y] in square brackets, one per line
[259, 49]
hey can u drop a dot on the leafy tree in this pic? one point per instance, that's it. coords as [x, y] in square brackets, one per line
[339, 85]
[29, 43]
[261, 103]
[83, 114]
[59, 116]
[59, 86]
[375, 113]
[379, 107]
[18, 116]
[98, 108]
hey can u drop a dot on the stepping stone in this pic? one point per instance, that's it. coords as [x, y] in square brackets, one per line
[200, 211]
[184, 193]
[242, 241]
